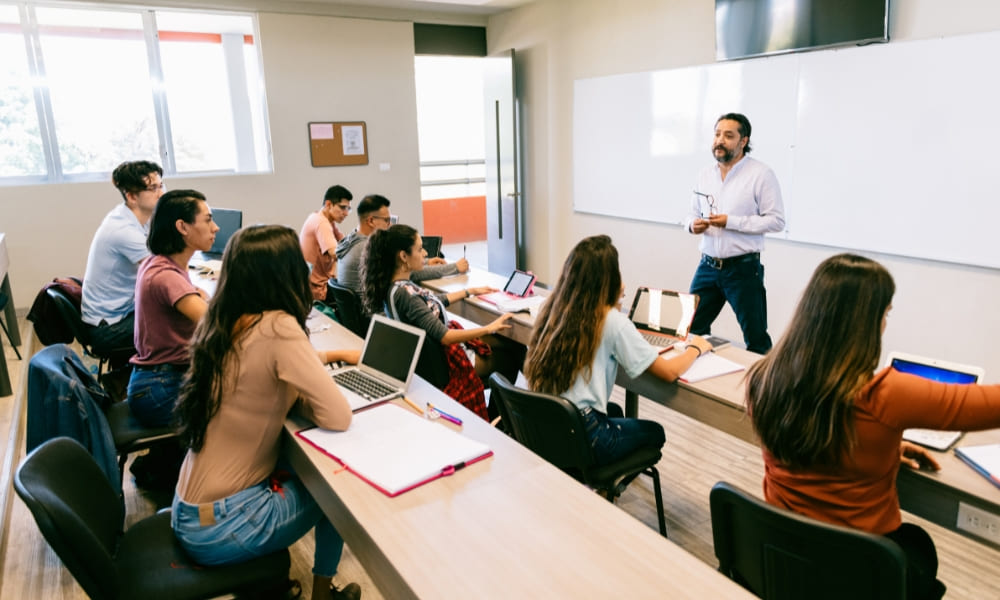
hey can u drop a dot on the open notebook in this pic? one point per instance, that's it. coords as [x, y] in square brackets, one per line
[395, 450]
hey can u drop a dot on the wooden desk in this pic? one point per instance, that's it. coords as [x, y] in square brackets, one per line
[479, 311]
[9, 314]
[508, 527]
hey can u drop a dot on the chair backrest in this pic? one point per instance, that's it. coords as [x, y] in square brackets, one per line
[348, 307]
[70, 314]
[778, 554]
[549, 426]
[76, 510]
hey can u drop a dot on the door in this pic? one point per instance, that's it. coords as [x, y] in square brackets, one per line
[504, 229]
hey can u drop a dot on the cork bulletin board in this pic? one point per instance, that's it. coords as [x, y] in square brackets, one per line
[338, 143]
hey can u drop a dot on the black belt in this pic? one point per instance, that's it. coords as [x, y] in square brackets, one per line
[722, 263]
[159, 368]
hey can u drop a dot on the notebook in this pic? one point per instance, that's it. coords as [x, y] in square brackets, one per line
[984, 459]
[516, 295]
[388, 360]
[938, 370]
[395, 450]
[662, 317]
[229, 221]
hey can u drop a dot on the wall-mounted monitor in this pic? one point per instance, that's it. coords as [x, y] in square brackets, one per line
[745, 28]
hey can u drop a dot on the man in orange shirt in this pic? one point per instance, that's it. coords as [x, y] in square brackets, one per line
[319, 236]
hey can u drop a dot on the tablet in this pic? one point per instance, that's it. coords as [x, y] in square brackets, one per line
[520, 283]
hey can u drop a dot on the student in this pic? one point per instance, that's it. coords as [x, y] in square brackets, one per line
[390, 257]
[251, 360]
[831, 428]
[580, 339]
[319, 237]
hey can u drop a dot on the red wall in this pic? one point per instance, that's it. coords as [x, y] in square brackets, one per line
[456, 219]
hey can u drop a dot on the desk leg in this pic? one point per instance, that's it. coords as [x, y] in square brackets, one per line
[9, 314]
[5, 389]
[631, 405]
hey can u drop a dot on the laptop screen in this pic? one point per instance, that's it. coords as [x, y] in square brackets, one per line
[432, 244]
[663, 311]
[391, 348]
[934, 369]
[229, 221]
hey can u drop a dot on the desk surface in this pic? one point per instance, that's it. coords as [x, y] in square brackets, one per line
[509, 526]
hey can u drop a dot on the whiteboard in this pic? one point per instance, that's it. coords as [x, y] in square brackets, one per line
[884, 148]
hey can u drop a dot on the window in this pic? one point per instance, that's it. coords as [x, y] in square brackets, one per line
[83, 89]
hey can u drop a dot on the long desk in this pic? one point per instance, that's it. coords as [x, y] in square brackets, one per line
[510, 526]
[718, 402]
[480, 311]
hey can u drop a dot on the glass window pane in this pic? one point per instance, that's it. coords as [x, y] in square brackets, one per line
[255, 88]
[98, 76]
[20, 139]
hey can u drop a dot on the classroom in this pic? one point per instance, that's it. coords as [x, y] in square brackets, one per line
[350, 61]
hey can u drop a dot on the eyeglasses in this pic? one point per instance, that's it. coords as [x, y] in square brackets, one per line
[710, 200]
[386, 219]
[344, 207]
[156, 188]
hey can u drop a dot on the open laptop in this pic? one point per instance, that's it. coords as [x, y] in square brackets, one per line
[388, 360]
[938, 370]
[432, 244]
[229, 221]
[663, 317]
[516, 295]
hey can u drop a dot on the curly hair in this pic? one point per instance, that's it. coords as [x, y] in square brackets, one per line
[130, 177]
[378, 263]
[568, 329]
[262, 270]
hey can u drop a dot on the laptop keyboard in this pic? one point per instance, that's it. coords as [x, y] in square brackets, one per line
[363, 385]
[657, 340]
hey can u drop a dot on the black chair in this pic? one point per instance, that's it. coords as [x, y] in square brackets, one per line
[73, 321]
[81, 518]
[348, 307]
[130, 436]
[553, 428]
[777, 554]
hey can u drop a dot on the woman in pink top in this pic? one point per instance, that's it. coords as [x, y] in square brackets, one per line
[251, 362]
[832, 428]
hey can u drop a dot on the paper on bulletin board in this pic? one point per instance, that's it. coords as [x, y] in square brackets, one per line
[353, 139]
[321, 131]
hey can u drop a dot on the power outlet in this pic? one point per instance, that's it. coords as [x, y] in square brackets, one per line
[979, 522]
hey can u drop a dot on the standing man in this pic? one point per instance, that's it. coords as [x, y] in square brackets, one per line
[118, 247]
[319, 236]
[736, 201]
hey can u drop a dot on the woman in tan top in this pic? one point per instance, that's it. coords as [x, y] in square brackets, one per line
[251, 360]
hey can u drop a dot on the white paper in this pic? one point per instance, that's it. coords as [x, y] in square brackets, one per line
[710, 365]
[354, 140]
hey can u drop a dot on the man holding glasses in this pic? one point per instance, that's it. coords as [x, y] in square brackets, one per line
[736, 201]
[319, 236]
[119, 246]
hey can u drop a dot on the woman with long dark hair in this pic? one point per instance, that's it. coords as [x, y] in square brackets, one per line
[831, 427]
[386, 264]
[580, 339]
[251, 361]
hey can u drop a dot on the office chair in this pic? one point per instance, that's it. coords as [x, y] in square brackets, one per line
[553, 428]
[82, 519]
[130, 436]
[349, 311]
[778, 555]
[70, 314]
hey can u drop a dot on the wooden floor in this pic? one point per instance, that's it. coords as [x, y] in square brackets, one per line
[695, 458]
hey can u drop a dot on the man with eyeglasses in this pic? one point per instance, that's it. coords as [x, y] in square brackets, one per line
[319, 236]
[118, 248]
[374, 215]
[736, 201]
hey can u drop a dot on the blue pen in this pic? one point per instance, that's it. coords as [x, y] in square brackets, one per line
[444, 415]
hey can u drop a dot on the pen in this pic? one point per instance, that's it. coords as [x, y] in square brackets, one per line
[463, 250]
[413, 404]
[444, 415]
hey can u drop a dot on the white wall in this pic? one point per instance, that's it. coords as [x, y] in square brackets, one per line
[316, 69]
[558, 41]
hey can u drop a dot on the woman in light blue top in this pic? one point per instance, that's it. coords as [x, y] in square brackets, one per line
[580, 339]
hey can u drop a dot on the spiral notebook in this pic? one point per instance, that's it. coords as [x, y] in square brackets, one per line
[395, 450]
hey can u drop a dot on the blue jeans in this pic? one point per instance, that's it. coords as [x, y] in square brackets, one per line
[255, 522]
[612, 438]
[152, 394]
[742, 285]
[114, 341]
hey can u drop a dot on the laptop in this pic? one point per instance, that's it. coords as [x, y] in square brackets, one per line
[663, 317]
[432, 244]
[229, 221]
[388, 360]
[938, 370]
[516, 295]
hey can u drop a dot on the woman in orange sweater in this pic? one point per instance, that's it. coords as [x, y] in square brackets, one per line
[831, 427]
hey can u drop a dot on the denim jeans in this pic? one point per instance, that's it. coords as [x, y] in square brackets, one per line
[153, 394]
[613, 438]
[113, 341]
[255, 522]
[742, 285]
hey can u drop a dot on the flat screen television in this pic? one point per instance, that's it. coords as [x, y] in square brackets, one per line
[745, 28]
